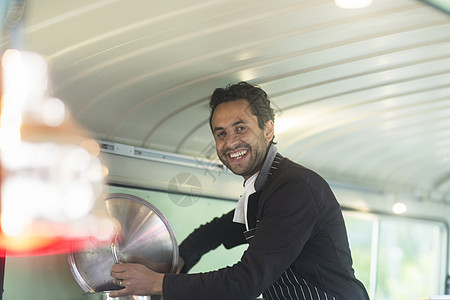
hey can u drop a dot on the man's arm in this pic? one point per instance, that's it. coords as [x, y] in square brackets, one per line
[208, 237]
[287, 222]
[140, 280]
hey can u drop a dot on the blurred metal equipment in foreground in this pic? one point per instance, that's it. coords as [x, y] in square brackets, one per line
[105, 296]
[51, 175]
[143, 235]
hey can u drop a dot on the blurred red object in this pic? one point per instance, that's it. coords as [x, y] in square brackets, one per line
[51, 179]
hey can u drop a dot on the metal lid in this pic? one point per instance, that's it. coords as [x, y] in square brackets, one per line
[144, 236]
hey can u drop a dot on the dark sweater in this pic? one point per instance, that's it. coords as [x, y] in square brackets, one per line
[299, 249]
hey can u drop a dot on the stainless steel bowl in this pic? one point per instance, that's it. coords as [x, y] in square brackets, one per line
[143, 236]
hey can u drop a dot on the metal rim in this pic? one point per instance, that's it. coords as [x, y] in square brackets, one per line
[83, 283]
[160, 215]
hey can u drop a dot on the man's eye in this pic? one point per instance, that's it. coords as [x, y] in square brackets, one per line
[240, 128]
[220, 134]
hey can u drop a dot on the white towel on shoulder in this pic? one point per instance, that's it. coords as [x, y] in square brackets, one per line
[240, 213]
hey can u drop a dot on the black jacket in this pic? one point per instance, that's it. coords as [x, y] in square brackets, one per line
[299, 249]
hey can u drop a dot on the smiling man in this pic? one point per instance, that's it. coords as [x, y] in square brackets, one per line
[241, 145]
[288, 215]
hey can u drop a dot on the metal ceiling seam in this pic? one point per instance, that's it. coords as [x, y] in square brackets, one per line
[52, 56]
[179, 146]
[296, 139]
[169, 116]
[147, 137]
[134, 109]
[68, 15]
[361, 103]
[200, 125]
[105, 93]
[137, 39]
[367, 168]
[403, 179]
[442, 180]
[407, 159]
[338, 79]
[349, 60]
[189, 133]
[55, 20]
[421, 167]
[354, 59]
[353, 143]
[116, 123]
[421, 156]
[375, 86]
[418, 158]
[130, 82]
[374, 122]
[178, 39]
[141, 77]
[133, 26]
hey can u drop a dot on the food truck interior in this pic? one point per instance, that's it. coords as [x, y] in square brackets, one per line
[361, 96]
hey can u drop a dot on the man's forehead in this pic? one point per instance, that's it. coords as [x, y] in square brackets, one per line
[236, 108]
[229, 115]
[228, 122]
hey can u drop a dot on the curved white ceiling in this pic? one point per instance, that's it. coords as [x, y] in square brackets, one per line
[362, 96]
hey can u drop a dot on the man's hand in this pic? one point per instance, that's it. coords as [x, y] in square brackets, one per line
[136, 279]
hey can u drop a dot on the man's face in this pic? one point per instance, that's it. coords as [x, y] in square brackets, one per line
[240, 144]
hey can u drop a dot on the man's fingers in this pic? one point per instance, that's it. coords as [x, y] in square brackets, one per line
[119, 293]
[119, 282]
[119, 268]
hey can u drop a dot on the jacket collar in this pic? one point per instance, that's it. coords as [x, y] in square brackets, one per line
[265, 170]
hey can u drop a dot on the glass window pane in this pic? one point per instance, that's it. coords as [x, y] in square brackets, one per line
[409, 256]
[360, 231]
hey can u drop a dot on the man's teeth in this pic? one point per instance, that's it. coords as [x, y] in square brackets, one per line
[238, 154]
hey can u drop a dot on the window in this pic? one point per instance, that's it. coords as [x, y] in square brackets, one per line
[397, 257]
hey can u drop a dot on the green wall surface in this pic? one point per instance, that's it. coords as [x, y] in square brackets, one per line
[39, 278]
[184, 219]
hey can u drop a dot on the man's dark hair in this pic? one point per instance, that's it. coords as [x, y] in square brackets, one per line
[257, 98]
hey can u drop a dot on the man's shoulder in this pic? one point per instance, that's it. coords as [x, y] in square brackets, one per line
[288, 166]
[289, 170]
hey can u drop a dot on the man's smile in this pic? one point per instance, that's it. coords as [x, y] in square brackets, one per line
[238, 154]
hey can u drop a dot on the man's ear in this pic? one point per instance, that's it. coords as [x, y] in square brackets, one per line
[269, 131]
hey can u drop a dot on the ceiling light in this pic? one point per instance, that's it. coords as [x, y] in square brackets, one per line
[399, 208]
[352, 4]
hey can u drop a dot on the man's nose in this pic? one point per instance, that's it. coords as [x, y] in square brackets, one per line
[232, 140]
